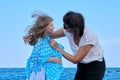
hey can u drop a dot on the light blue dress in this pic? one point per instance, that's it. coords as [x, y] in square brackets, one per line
[38, 59]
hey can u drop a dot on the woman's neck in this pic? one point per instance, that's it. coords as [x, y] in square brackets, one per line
[76, 39]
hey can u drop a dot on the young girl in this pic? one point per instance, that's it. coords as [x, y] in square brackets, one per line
[44, 62]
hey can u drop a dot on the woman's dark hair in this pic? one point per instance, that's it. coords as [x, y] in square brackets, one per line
[37, 30]
[75, 21]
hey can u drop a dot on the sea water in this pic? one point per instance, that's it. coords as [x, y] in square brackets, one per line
[69, 73]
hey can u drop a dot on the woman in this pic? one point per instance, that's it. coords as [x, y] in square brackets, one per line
[88, 54]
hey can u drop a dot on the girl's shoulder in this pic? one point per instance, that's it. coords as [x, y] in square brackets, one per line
[46, 38]
[43, 41]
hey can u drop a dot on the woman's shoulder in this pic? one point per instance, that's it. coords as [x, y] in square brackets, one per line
[67, 34]
[88, 33]
[88, 37]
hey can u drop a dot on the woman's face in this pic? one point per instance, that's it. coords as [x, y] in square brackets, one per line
[50, 28]
[68, 29]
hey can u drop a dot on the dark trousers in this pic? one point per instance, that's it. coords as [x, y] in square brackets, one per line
[91, 71]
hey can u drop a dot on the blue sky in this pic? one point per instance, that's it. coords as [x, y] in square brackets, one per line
[101, 16]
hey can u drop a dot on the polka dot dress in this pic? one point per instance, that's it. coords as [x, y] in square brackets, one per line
[38, 60]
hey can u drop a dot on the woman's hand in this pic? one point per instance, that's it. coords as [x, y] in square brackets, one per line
[54, 44]
[55, 59]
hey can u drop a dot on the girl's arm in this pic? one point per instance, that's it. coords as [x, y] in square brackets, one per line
[81, 53]
[55, 59]
[57, 34]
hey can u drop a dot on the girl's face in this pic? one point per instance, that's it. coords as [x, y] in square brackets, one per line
[50, 28]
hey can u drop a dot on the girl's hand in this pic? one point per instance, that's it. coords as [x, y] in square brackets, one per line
[26, 38]
[55, 59]
[54, 44]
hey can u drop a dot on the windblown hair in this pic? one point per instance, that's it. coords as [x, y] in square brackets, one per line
[37, 30]
[75, 21]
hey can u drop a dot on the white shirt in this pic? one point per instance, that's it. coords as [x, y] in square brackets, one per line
[96, 52]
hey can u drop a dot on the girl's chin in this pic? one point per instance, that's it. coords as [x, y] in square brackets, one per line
[49, 33]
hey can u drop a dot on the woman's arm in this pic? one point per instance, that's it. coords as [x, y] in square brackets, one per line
[81, 53]
[57, 34]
